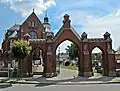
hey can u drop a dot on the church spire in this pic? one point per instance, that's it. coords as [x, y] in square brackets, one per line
[46, 23]
[46, 13]
[46, 20]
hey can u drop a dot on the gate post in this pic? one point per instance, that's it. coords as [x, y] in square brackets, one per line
[86, 55]
[81, 62]
[87, 65]
[49, 62]
[111, 63]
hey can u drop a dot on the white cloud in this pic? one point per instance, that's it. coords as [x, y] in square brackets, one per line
[96, 27]
[25, 6]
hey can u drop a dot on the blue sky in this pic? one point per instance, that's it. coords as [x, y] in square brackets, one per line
[92, 16]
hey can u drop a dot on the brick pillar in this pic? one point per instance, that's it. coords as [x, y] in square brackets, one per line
[87, 65]
[54, 61]
[49, 70]
[29, 65]
[24, 66]
[81, 62]
[86, 59]
[111, 63]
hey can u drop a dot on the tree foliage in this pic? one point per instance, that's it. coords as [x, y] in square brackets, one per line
[73, 51]
[96, 56]
[20, 49]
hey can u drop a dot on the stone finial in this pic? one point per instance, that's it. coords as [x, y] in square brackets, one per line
[106, 35]
[33, 9]
[84, 35]
[66, 21]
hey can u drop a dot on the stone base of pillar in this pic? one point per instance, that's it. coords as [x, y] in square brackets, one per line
[49, 75]
[118, 73]
[81, 74]
[27, 74]
[88, 74]
[112, 74]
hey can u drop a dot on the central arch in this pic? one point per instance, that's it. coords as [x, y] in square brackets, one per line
[70, 35]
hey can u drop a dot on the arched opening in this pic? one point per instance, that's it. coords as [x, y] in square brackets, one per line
[97, 61]
[37, 61]
[67, 59]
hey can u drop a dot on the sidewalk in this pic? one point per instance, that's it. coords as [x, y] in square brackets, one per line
[78, 80]
[66, 77]
[65, 81]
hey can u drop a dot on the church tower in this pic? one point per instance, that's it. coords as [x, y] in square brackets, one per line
[46, 24]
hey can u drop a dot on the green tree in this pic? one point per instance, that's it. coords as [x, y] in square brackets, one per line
[72, 50]
[20, 49]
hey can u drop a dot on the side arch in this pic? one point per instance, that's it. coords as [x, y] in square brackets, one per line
[103, 47]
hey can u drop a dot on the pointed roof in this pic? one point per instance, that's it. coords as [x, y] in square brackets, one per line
[62, 29]
[46, 19]
[31, 15]
[12, 31]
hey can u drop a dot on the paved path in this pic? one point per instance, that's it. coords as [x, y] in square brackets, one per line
[65, 74]
[70, 76]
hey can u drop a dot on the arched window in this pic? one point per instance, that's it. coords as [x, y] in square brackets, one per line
[33, 35]
[32, 24]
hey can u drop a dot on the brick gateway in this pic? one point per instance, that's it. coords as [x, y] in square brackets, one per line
[48, 43]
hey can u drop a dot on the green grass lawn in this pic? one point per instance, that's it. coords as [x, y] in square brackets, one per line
[69, 67]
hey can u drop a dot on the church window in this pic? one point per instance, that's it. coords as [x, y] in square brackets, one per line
[33, 35]
[31, 23]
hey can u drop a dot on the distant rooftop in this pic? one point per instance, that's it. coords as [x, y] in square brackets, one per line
[15, 27]
[13, 35]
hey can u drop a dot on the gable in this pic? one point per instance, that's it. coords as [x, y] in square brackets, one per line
[70, 30]
[32, 23]
[66, 34]
[32, 18]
